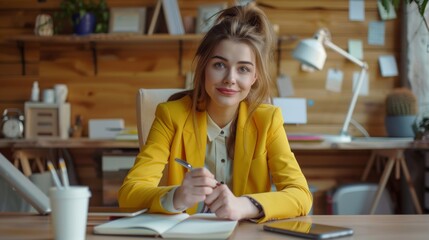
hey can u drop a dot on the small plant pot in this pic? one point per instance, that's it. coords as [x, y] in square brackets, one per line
[84, 25]
[400, 126]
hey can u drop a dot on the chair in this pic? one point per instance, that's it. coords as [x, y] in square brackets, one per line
[30, 159]
[352, 199]
[147, 101]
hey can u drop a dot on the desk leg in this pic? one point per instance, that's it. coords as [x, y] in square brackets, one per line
[411, 186]
[369, 165]
[382, 183]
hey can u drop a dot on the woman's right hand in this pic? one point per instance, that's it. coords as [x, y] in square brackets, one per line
[196, 185]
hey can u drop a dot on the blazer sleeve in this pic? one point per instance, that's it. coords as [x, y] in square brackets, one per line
[140, 187]
[293, 197]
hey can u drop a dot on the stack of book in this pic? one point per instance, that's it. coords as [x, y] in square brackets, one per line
[127, 134]
[173, 18]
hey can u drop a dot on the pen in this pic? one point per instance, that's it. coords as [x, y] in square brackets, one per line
[64, 174]
[54, 175]
[184, 163]
[189, 166]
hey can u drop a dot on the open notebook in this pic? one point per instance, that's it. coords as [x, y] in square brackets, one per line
[26, 189]
[179, 226]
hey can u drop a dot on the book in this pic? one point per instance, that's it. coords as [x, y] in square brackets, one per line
[179, 226]
[115, 211]
[173, 17]
[154, 19]
[127, 135]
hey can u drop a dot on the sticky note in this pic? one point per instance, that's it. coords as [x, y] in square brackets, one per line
[334, 80]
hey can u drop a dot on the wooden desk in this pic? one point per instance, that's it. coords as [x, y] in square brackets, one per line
[67, 143]
[27, 227]
[393, 148]
[357, 144]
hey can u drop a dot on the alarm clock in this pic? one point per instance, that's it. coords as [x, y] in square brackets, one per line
[12, 123]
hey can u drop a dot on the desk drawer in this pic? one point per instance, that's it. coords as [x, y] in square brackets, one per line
[115, 168]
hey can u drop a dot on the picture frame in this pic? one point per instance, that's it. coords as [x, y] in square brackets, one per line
[206, 18]
[127, 20]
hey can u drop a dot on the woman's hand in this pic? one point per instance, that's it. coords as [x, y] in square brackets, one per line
[196, 185]
[223, 202]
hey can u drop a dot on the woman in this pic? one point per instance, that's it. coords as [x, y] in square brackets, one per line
[225, 131]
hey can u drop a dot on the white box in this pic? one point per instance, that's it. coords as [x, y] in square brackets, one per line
[104, 128]
[116, 163]
[47, 120]
[115, 166]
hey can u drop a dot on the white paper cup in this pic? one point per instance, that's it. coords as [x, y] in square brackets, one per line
[61, 92]
[49, 96]
[69, 212]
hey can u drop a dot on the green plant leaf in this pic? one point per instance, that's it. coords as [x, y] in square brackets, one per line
[395, 3]
[423, 7]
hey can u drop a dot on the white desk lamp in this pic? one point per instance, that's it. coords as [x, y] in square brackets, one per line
[312, 53]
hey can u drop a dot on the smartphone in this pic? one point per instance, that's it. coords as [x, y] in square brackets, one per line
[308, 230]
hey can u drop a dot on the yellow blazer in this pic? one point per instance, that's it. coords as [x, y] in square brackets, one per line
[261, 150]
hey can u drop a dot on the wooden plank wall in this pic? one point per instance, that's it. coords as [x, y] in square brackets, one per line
[123, 68]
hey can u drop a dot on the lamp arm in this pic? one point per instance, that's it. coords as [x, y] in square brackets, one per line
[352, 104]
[362, 75]
[345, 54]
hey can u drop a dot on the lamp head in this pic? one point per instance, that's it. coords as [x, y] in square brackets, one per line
[311, 51]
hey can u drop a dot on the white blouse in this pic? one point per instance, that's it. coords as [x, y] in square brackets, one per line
[216, 161]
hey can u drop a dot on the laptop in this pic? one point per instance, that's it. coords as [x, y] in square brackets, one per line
[24, 187]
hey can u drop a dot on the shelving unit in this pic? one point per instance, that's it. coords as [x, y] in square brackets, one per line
[94, 39]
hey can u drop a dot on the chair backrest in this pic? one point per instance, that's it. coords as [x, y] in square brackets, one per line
[353, 199]
[147, 101]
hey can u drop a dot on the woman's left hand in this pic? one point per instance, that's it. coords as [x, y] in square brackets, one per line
[224, 204]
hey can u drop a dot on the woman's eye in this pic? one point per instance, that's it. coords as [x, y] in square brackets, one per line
[219, 65]
[244, 69]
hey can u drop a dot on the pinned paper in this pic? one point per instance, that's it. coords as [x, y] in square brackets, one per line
[376, 31]
[284, 86]
[334, 80]
[357, 10]
[384, 14]
[388, 66]
[355, 48]
[364, 88]
[294, 110]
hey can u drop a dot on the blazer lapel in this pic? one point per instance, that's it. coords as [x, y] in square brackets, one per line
[195, 153]
[245, 143]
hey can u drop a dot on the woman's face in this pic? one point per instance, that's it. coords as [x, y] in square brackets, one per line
[230, 74]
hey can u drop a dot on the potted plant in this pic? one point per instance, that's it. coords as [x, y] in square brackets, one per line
[401, 111]
[84, 16]
[421, 128]
[421, 5]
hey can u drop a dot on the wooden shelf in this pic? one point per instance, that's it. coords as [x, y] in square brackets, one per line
[94, 39]
[108, 38]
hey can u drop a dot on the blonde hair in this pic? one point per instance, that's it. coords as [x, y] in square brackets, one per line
[245, 24]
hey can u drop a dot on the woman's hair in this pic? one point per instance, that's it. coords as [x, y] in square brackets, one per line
[242, 24]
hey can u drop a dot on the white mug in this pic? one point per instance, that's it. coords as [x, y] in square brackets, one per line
[48, 95]
[61, 92]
